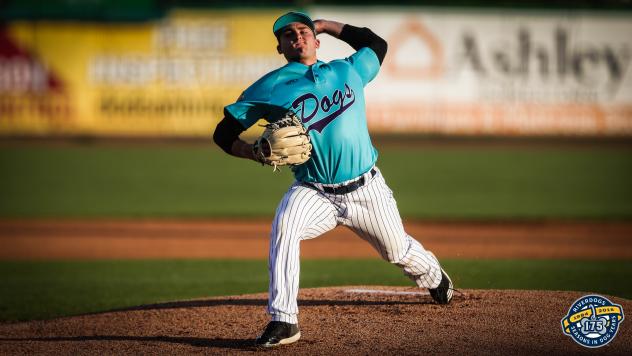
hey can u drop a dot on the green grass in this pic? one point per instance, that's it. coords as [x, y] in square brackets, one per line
[200, 181]
[134, 182]
[510, 183]
[41, 290]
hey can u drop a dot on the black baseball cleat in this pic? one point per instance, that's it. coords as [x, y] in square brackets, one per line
[443, 293]
[278, 333]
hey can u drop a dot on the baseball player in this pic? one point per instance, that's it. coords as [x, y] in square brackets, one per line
[340, 184]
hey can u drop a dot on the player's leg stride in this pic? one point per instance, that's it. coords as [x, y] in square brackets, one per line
[317, 125]
[278, 333]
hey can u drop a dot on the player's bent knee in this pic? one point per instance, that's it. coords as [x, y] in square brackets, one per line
[394, 257]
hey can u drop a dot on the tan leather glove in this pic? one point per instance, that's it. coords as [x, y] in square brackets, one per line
[283, 142]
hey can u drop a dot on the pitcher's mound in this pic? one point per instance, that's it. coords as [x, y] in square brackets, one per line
[358, 320]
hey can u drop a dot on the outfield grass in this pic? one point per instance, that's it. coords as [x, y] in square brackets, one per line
[41, 290]
[199, 181]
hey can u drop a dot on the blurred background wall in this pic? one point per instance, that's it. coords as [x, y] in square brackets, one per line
[167, 68]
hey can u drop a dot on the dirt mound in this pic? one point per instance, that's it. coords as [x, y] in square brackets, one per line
[343, 320]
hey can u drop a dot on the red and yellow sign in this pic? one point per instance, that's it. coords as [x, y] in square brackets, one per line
[169, 77]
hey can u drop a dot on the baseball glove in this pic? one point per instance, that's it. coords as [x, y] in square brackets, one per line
[283, 142]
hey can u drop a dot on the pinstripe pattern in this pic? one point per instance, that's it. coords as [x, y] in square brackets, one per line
[370, 211]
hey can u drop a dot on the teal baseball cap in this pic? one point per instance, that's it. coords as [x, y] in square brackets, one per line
[290, 17]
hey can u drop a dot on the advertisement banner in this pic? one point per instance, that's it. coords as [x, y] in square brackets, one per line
[169, 77]
[496, 72]
[453, 72]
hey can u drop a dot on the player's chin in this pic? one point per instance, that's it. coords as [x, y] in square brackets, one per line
[298, 52]
[291, 52]
[294, 56]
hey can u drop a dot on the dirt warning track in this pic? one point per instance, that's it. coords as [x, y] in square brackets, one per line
[90, 239]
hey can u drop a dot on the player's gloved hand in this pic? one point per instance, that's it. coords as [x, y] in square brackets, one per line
[283, 142]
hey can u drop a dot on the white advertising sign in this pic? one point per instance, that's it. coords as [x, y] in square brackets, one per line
[495, 72]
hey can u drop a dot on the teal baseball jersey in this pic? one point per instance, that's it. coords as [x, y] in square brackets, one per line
[329, 99]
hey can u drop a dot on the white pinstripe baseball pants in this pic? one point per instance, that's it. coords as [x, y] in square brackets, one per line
[370, 211]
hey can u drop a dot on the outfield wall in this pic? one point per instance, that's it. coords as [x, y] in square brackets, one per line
[461, 72]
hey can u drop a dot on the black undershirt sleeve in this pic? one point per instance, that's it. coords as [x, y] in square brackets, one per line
[358, 38]
[226, 132]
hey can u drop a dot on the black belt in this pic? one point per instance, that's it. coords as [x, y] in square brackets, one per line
[348, 188]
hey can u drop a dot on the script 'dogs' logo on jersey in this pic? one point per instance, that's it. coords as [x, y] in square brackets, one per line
[592, 321]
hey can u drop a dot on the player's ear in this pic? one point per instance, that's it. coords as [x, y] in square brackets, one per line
[317, 43]
[279, 49]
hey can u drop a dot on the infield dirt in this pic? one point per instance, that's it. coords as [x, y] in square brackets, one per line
[98, 238]
[333, 321]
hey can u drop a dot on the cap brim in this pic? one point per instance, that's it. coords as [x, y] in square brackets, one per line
[289, 18]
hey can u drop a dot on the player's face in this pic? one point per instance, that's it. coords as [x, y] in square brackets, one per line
[298, 43]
